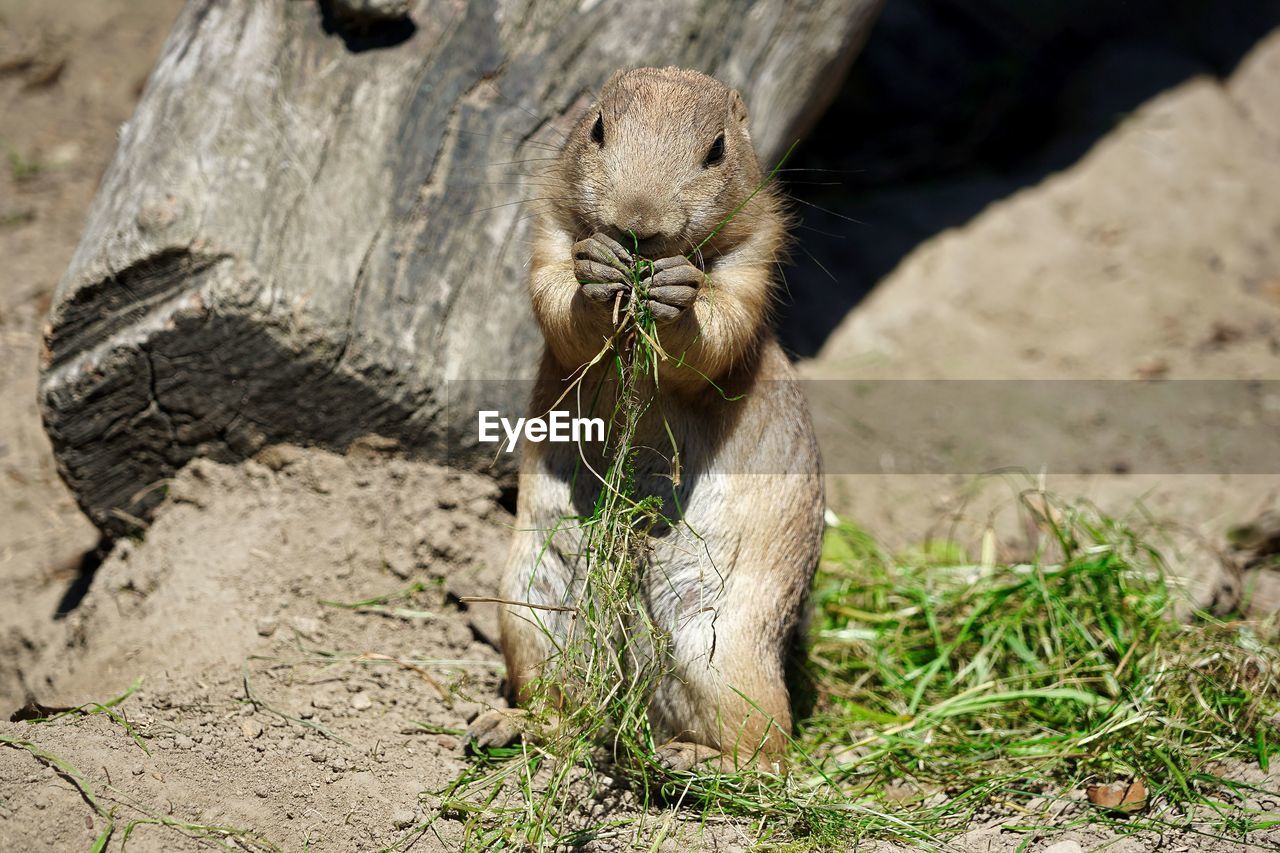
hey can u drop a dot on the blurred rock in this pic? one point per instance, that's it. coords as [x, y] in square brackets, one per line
[1135, 257]
[1064, 847]
[1173, 206]
[1261, 593]
[1256, 86]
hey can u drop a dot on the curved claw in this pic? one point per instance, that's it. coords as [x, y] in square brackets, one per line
[602, 249]
[602, 267]
[672, 286]
[591, 271]
[676, 295]
[603, 292]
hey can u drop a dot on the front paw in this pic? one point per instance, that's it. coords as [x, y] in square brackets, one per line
[670, 286]
[603, 267]
[495, 728]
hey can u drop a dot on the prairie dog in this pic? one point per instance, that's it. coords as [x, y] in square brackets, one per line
[658, 164]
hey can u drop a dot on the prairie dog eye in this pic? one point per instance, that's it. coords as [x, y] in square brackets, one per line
[597, 130]
[716, 152]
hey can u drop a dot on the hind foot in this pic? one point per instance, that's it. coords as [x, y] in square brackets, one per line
[495, 728]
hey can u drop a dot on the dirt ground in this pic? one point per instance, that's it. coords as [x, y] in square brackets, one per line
[280, 713]
[69, 76]
[303, 666]
[316, 725]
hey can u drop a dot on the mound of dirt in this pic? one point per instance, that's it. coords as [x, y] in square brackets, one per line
[304, 660]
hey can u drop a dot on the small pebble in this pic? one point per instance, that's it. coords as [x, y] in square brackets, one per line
[63, 154]
[361, 702]
[400, 565]
[402, 819]
[307, 627]
[251, 729]
[277, 457]
[267, 626]
[1064, 847]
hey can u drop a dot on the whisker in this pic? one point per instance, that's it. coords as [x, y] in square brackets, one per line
[819, 263]
[516, 162]
[512, 139]
[803, 227]
[829, 171]
[519, 201]
[786, 284]
[829, 212]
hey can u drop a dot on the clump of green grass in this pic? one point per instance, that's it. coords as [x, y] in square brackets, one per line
[23, 168]
[995, 687]
[945, 689]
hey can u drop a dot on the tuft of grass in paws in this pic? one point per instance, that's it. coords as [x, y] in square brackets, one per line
[590, 705]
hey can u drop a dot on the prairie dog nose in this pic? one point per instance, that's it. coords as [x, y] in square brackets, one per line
[639, 216]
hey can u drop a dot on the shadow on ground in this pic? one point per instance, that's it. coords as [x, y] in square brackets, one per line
[955, 104]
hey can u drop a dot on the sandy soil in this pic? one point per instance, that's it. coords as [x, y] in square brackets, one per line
[261, 706]
[70, 74]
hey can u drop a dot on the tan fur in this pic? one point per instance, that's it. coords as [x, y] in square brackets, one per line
[730, 575]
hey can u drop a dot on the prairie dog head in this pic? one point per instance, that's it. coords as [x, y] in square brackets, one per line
[664, 156]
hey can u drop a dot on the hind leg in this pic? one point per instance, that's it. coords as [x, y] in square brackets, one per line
[536, 583]
[725, 703]
[525, 647]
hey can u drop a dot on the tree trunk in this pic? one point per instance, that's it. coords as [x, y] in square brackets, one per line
[312, 223]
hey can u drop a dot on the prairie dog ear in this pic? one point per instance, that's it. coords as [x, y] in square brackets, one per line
[611, 82]
[737, 106]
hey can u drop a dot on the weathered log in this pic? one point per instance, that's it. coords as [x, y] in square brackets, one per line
[310, 227]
